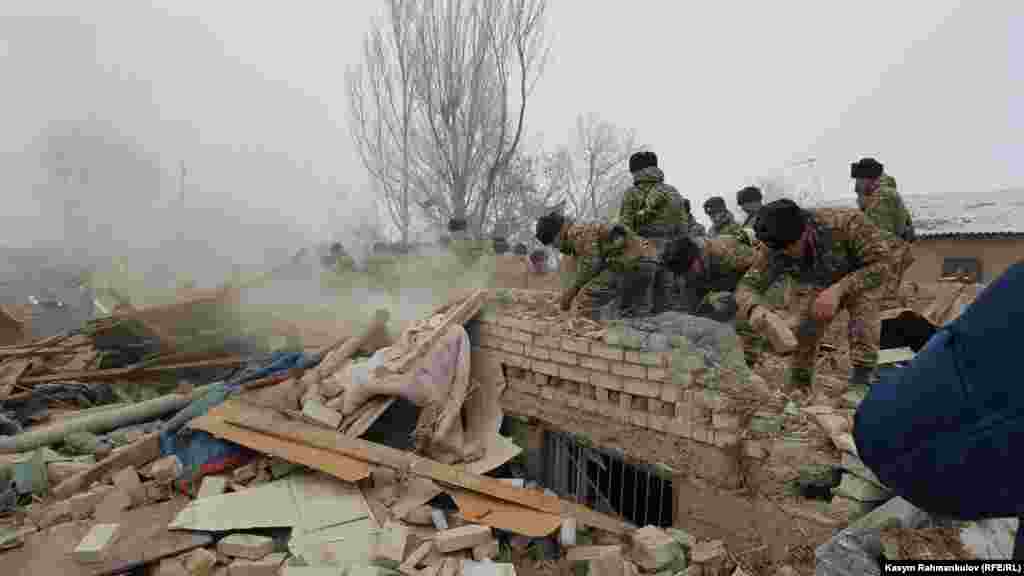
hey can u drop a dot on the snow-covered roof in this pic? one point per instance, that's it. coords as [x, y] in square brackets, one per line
[969, 214]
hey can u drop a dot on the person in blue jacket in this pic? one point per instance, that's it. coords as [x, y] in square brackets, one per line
[947, 432]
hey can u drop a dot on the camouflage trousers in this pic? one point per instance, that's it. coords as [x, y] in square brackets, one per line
[902, 262]
[863, 333]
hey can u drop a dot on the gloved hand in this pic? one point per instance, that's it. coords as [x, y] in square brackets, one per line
[774, 327]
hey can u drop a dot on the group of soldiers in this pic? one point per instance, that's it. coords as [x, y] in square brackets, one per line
[655, 258]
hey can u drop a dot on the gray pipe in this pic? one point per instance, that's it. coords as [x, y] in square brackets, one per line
[99, 422]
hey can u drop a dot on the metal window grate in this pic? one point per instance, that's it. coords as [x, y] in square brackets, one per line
[604, 481]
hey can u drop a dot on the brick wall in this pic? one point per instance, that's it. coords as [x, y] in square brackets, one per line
[659, 391]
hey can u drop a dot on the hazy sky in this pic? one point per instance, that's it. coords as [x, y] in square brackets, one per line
[251, 94]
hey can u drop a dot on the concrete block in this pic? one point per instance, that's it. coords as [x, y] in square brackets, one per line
[96, 543]
[247, 546]
[212, 486]
[462, 538]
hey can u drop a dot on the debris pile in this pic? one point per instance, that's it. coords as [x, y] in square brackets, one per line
[160, 439]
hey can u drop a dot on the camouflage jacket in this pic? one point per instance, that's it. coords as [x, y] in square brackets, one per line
[730, 229]
[725, 260]
[845, 250]
[652, 208]
[591, 244]
[885, 208]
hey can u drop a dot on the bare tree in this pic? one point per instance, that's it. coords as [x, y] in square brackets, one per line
[438, 111]
[599, 171]
[381, 105]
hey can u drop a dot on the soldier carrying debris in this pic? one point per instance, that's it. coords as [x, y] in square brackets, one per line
[722, 221]
[610, 258]
[878, 197]
[837, 258]
[655, 211]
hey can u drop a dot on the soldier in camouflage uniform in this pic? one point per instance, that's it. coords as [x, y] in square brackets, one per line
[654, 210]
[722, 221]
[841, 260]
[878, 197]
[607, 255]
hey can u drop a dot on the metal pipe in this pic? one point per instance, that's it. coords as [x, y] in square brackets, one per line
[100, 422]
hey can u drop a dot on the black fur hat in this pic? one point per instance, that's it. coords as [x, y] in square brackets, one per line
[457, 224]
[640, 160]
[780, 223]
[715, 204]
[548, 227]
[867, 168]
[748, 194]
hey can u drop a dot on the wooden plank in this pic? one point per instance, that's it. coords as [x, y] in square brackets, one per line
[116, 373]
[276, 425]
[492, 512]
[141, 452]
[144, 538]
[344, 468]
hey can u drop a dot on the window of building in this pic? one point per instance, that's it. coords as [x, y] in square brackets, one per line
[960, 266]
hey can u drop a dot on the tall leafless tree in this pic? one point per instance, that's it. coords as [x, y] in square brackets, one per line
[438, 108]
[593, 168]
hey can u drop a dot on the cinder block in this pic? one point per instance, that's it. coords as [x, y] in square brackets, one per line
[607, 352]
[574, 373]
[94, 547]
[629, 370]
[576, 345]
[606, 381]
[563, 357]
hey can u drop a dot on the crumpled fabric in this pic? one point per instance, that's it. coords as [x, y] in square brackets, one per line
[18, 413]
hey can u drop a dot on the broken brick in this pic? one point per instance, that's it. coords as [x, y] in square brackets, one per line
[654, 548]
[268, 566]
[462, 537]
[247, 546]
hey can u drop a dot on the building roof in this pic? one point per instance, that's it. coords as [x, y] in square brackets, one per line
[998, 214]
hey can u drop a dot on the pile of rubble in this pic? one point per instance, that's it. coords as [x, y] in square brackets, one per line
[366, 455]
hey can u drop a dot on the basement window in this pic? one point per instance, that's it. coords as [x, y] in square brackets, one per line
[604, 481]
[958, 266]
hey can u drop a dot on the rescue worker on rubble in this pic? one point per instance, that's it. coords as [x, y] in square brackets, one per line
[880, 200]
[615, 266]
[749, 200]
[654, 210]
[945, 432]
[838, 259]
[722, 221]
